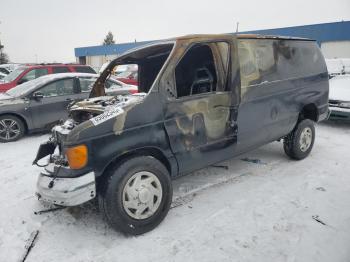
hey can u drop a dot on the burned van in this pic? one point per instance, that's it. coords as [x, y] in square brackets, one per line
[202, 99]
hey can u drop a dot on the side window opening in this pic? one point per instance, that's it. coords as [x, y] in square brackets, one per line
[58, 88]
[35, 73]
[84, 69]
[86, 84]
[60, 69]
[203, 69]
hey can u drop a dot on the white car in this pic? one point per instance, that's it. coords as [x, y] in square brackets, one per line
[338, 66]
[339, 97]
[8, 67]
[2, 75]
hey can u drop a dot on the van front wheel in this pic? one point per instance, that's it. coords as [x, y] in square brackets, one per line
[137, 195]
[298, 144]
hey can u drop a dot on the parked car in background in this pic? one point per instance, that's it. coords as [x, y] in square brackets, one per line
[339, 97]
[9, 67]
[129, 75]
[2, 75]
[29, 72]
[4, 70]
[338, 66]
[41, 103]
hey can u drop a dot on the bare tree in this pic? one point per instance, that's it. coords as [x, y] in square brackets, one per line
[4, 58]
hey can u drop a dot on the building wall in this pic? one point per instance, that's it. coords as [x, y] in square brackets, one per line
[97, 61]
[336, 49]
[333, 38]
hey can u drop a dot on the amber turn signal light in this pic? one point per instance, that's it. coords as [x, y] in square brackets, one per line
[77, 156]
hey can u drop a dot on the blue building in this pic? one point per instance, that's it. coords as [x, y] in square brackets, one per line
[333, 38]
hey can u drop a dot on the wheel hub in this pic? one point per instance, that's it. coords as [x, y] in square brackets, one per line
[305, 139]
[142, 195]
[9, 129]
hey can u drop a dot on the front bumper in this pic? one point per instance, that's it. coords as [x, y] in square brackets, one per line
[338, 113]
[66, 191]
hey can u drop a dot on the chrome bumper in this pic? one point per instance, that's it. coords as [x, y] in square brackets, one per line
[339, 113]
[66, 191]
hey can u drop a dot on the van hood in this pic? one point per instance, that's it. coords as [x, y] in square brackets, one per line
[92, 107]
[92, 112]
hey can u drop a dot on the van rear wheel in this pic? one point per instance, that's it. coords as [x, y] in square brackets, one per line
[137, 195]
[298, 144]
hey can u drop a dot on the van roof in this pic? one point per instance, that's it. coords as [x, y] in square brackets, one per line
[240, 36]
[257, 36]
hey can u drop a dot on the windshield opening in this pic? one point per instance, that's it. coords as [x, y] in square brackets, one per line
[13, 75]
[142, 65]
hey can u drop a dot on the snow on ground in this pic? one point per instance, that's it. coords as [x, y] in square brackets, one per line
[263, 211]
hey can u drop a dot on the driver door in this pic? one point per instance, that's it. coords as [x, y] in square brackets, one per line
[201, 114]
[52, 107]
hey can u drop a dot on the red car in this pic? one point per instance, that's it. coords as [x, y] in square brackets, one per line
[128, 77]
[29, 72]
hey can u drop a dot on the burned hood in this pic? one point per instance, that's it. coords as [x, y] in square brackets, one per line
[93, 115]
[101, 104]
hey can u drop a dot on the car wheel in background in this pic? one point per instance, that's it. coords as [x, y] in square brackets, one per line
[11, 128]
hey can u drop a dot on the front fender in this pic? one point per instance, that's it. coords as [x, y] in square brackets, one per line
[107, 149]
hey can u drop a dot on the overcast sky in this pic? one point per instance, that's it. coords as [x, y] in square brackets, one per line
[51, 30]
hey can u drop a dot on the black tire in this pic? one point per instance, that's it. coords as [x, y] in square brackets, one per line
[292, 144]
[7, 133]
[111, 195]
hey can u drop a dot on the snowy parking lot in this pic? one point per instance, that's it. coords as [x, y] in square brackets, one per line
[264, 207]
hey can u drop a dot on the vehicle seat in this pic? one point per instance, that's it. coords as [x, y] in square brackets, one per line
[202, 82]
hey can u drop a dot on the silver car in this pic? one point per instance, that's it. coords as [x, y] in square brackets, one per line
[39, 104]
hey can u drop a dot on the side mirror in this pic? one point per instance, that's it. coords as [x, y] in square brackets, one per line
[38, 96]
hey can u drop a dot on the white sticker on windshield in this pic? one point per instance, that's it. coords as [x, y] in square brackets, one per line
[111, 113]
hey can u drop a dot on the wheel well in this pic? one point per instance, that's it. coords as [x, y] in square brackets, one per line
[150, 151]
[21, 118]
[309, 112]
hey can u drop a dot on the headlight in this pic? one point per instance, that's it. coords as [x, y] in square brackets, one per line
[77, 156]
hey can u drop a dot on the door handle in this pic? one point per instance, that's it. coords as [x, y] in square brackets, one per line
[69, 99]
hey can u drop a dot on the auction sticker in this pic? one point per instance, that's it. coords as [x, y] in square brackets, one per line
[111, 113]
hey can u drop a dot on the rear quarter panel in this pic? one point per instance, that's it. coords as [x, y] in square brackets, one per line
[288, 76]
